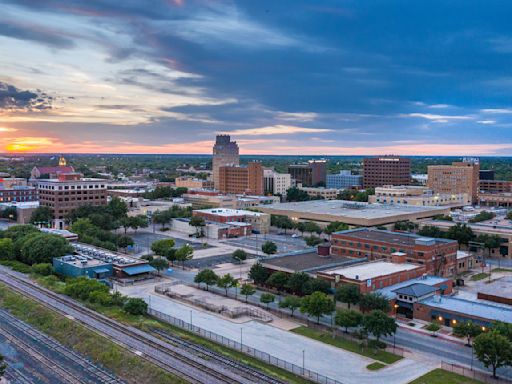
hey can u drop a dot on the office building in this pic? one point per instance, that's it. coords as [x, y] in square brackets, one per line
[460, 177]
[439, 256]
[276, 183]
[321, 192]
[386, 170]
[225, 152]
[417, 195]
[191, 182]
[343, 180]
[241, 179]
[310, 174]
[68, 192]
[18, 194]
[486, 174]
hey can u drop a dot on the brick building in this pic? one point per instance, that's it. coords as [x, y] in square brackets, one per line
[51, 172]
[225, 152]
[190, 183]
[460, 177]
[18, 194]
[439, 256]
[310, 174]
[241, 179]
[68, 192]
[386, 170]
[260, 222]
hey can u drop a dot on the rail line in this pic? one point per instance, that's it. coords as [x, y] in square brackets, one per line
[173, 359]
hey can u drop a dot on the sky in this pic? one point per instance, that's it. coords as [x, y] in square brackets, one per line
[282, 77]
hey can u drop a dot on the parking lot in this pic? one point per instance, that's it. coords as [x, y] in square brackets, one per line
[285, 243]
[143, 241]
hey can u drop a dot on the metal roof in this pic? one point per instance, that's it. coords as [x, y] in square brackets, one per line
[416, 290]
[101, 270]
[138, 269]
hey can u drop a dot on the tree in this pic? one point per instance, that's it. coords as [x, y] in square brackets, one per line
[379, 324]
[225, 282]
[317, 285]
[493, 350]
[43, 269]
[296, 194]
[335, 226]
[117, 208]
[317, 304]
[348, 293]
[433, 327]
[16, 232]
[312, 227]
[184, 253]
[206, 276]
[374, 301]
[430, 231]
[297, 282]
[490, 241]
[467, 329]
[267, 298]
[239, 255]
[269, 247]
[258, 273]
[504, 329]
[3, 366]
[6, 249]
[197, 222]
[247, 290]
[299, 226]
[291, 302]
[278, 280]
[164, 248]
[159, 263]
[41, 215]
[460, 232]
[312, 241]
[135, 306]
[42, 248]
[348, 318]
[10, 213]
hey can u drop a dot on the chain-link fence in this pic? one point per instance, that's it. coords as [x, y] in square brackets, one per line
[471, 373]
[260, 355]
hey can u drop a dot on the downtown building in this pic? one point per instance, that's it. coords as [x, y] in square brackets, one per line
[460, 177]
[386, 170]
[68, 192]
[276, 183]
[225, 153]
[241, 179]
[343, 180]
[310, 174]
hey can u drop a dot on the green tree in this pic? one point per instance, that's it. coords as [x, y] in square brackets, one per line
[430, 231]
[493, 350]
[278, 280]
[490, 242]
[258, 273]
[467, 329]
[406, 226]
[10, 213]
[16, 232]
[348, 293]
[247, 290]
[317, 304]
[299, 226]
[197, 222]
[42, 248]
[269, 247]
[225, 282]
[312, 241]
[297, 282]
[296, 194]
[433, 327]
[291, 302]
[41, 215]
[312, 227]
[239, 255]
[504, 329]
[3, 366]
[117, 208]
[82, 288]
[317, 285]
[184, 253]
[462, 233]
[267, 298]
[335, 226]
[159, 263]
[6, 249]
[164, 248]
[348, 318]
[206, 276]
[43, 269]
[374, 301]
[135, 306]
[379, 324]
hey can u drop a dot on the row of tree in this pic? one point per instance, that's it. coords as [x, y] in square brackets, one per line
[167, 253]
[285, 223]
[165, 193]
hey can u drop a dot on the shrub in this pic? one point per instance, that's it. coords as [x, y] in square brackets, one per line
[43, 269]
[135, 306]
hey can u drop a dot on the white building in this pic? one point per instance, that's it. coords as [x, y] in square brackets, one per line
[276, 183]
[416, 195]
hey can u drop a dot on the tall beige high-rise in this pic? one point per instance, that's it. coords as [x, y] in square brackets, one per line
[225, 152]
[460, 177]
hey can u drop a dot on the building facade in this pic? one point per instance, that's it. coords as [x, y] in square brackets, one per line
[20, 194]
[460, 177]
[324, 193]
[276, 183]
[225, 152]
[260, 222]
[310, 174]
[241, 179]
[344, 179]
[68, 192]
[51, 172]
[417, 195]
[386, 170]
[439, 256]
[190, 183]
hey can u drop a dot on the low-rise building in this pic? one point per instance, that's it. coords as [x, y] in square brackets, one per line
[191, 183]
[417, 195]
[260, 222]
[78, 266]
[213, 230]
[324, 193]
[19, 194]
[276, 183]
[344, 179]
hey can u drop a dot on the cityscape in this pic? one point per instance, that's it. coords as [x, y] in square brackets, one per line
[255, 192]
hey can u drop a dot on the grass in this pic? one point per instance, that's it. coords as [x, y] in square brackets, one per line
[440, 376]
[479, 276]
[502, 270]
[126, 365]
[349, 345]
[375, 366]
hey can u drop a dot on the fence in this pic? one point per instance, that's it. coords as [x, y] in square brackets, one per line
[474, 374]
[263, 356]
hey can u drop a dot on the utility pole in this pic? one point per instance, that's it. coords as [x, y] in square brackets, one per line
[303, 361]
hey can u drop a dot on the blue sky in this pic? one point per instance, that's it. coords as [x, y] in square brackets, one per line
[284, 77]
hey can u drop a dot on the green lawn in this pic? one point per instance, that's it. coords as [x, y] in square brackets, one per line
[375, 366]
[348, 345]
[440, 376]
[479, 276]
[502, 270]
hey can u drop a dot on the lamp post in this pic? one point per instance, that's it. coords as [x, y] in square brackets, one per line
[190, 319]
[396, 310]
[241, 339]
[303, 361]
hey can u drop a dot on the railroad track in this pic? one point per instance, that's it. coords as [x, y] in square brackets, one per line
[173, 359]
[204, 351]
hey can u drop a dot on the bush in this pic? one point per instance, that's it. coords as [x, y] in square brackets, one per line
[82, 288]
[16, 266]
[43, 269]
[103, 298]
[135, 306]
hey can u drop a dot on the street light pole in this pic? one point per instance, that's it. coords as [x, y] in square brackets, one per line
[241, 339]
[190, 319]
[303, 361]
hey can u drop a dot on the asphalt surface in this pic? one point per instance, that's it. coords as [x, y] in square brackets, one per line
[143, 241]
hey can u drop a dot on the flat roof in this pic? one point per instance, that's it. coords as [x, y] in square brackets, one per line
[400, 238]
[76, 261]
[348, 211]
[228, 212]
[389, 292]
[371, 270]
[499, 288]
[471, 308]
[308, 261]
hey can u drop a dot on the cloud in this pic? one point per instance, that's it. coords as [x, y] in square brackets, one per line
[297, 116]
[14, 99]
[437, 118]
[486, 122]
[497, 111]
[276, 130]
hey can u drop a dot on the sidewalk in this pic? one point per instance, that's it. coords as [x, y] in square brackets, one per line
[404, 324]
